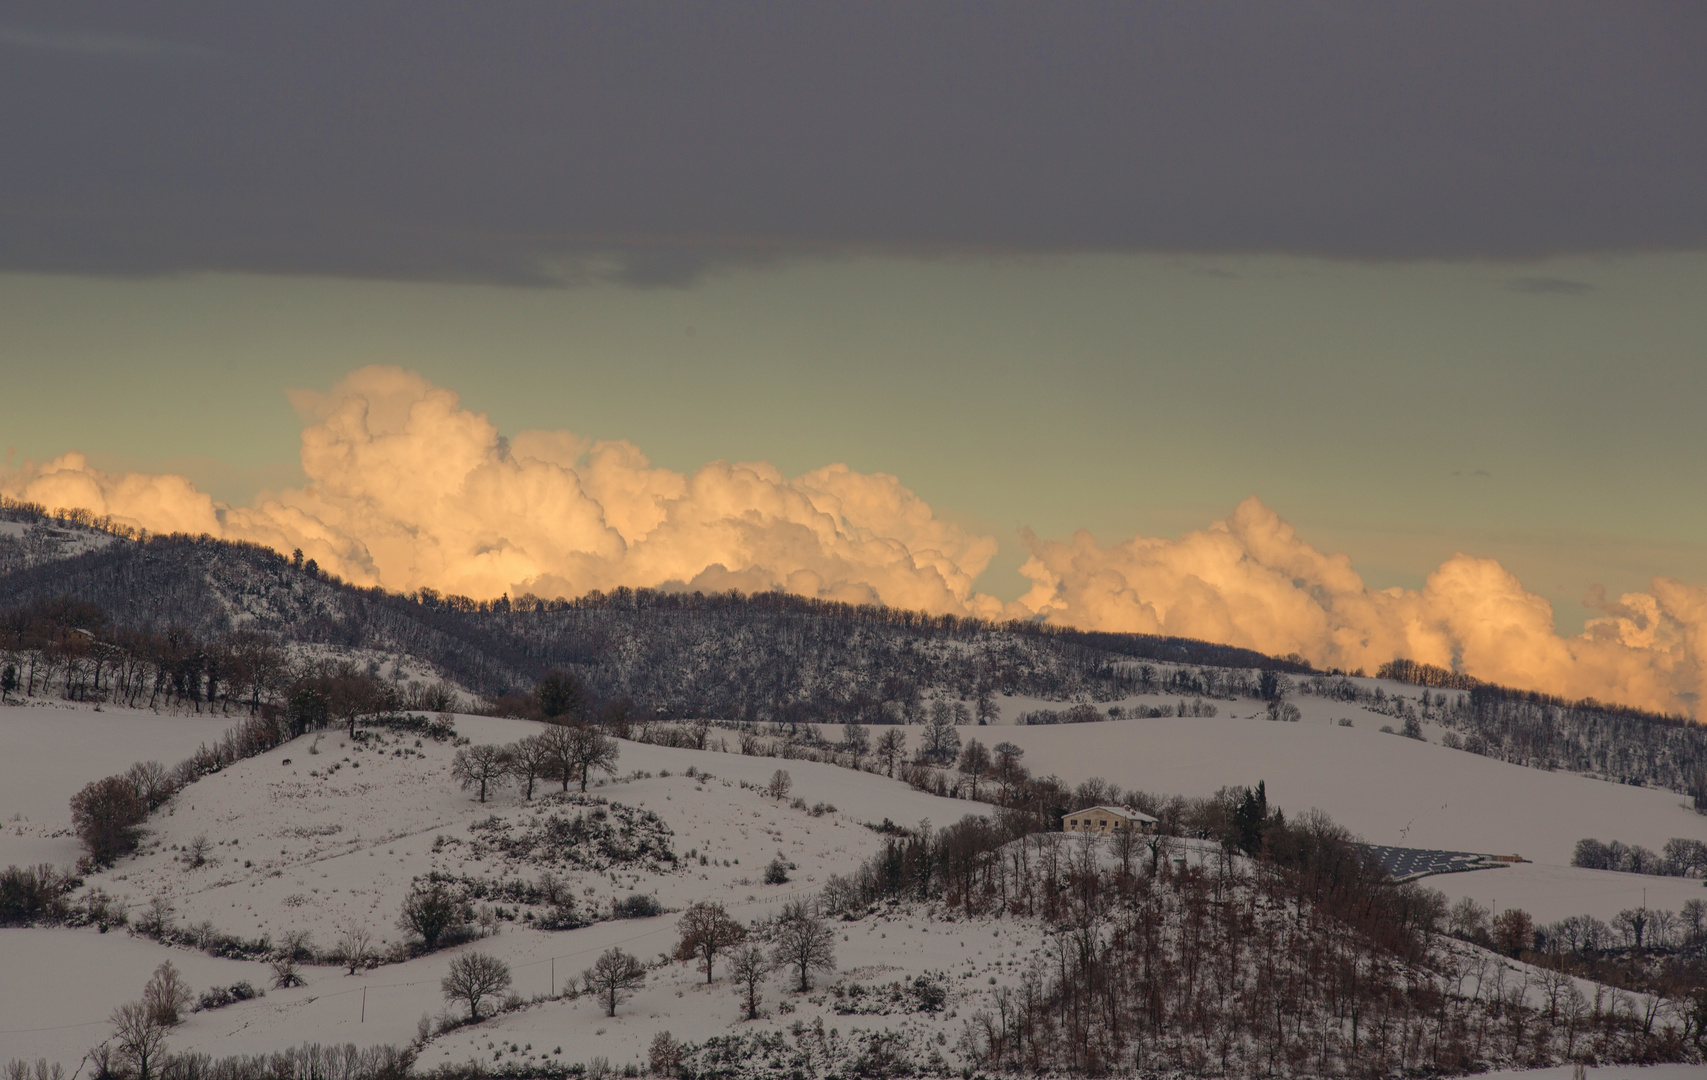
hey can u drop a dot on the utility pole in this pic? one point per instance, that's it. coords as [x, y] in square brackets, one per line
[364, 1005]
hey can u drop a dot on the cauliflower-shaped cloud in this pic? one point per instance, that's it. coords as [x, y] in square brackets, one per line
[408, 489]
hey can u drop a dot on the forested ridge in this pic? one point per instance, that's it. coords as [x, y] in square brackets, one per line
[728, 655]
[88, 601]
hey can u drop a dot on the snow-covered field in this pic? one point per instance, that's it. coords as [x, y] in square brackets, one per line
[315, 841]
[1387, 790]
[49, 751]
[319, 834]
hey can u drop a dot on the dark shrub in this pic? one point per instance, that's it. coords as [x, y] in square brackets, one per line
[636, 906]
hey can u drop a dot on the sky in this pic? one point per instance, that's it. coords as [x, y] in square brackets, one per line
[1426, 281]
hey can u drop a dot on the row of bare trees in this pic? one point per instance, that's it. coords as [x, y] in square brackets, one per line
[561, 753]
[66, 648]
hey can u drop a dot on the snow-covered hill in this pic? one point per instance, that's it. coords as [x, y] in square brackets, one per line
[323, 833]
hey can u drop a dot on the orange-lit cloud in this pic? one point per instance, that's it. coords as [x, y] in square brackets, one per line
[1251, 581]
[409, 489]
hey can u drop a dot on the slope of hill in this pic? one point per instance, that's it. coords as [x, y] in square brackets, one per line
[723, 655]
[920, 986]
[766, 657]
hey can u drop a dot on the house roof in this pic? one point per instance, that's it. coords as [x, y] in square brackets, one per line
[1120, 812]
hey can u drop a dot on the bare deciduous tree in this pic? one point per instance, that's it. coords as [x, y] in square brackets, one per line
[613, 976]
[804, 942]
[558, 743]
[590, 749]
[140, 1037]
[153, 782]
[167, 995]
[531, 761]
[707, 929]
[781, 784]
[473, 977]
[108, 817]
[480, 766]
[891, 747]
[286, 973]
[854, 739]
[195, 852]
[749, 968]
[974, 763]
[430, 912]
[355, 946]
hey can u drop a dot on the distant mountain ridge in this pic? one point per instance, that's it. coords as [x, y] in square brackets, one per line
[734, 655]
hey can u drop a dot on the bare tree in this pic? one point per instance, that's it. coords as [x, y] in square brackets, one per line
[707, 929]
[195, 852]
[613, 976]
[355, 946]
[854, 739]
[891, 747]
[141, 1038]
[940, 742]
[974, 763]
[749, 968]
[480, 766]
[804, 942]
[152, 781]
[1009, 772]
[430, 912]
[557, 742]
[780, 785]
[531, 760]
[108, 817]
[474, 977]
[286, 972]
[591, 749]
[167, 995]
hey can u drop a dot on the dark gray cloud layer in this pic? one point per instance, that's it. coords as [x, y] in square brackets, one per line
[546, 142]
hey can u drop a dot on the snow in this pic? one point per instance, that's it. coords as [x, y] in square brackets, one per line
[1385, 788]
[1551, 893]
[49, 751]
[58, 986]
[295, 851]
[338, 835]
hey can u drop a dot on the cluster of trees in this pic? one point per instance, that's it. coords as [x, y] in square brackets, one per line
[112, 1061]
[561, 753]
[68, 648]
[139, 1028]
[800, 939]
[1086, 713]
[29, 894]
[108, 814]
[1639, 928]
[726, 656]
[1277, 946]
[647, 654]
[1682, 857]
